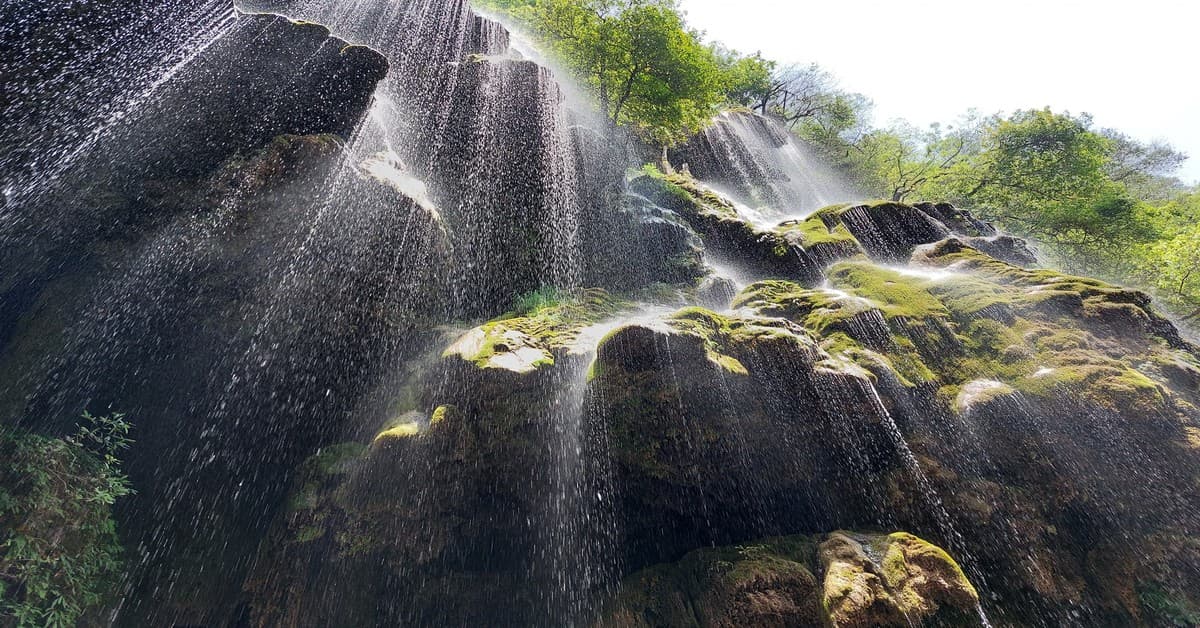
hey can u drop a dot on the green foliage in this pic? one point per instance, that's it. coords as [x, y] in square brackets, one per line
[1094, 200]
[1171, 264]
[748, 80]
[59, 552]
[647, 70]
[1164, 608]
[903, 160]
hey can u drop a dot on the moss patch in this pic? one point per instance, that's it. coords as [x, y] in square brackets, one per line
[527, 342]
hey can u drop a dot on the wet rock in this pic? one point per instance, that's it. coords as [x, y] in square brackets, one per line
[727, 234]
[268, 77]
[716, 292]
[895, 580]
[1006, 249]
[887, 231]
[715, 426]
[959, 221]
[838, 579]
[757, 160]
[423, 505]
[659, 247]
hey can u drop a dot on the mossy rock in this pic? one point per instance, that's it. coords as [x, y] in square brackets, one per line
[887, 231]
[893, 580]
[529, 341]
[839, 579]
[716, 220]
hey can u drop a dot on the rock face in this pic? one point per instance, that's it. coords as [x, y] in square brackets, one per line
[527, 180]
[478, 459]
[155, 261]
[1004, 411]
[983, 392]
[301, 81]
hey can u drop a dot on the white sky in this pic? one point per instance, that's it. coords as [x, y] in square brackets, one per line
[1135, 66]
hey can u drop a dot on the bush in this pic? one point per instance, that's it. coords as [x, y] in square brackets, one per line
[59, 551]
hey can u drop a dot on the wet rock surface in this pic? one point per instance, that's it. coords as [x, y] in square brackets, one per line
[836, 579]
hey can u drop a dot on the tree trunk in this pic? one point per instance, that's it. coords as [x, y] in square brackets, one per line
[665, 162]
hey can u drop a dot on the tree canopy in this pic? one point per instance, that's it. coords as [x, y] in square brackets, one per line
[647, 70]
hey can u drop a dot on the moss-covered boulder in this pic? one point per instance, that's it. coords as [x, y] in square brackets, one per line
[838, 579]
[893, 580]
[726, 233]
[886, 231]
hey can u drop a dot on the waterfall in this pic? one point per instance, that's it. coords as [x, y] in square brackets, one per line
[762, 164]
[406, 338]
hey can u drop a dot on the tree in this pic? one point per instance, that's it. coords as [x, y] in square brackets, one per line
[745, 78]
[904, 161]
[1145, 169]
[646, 68]
[1048, 176]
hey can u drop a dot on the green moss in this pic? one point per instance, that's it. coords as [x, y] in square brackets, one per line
[726, 338]
[333, 459]
[307, 534]
[531, 303]
[525, 343]
[441, 413]
[815, 231]
[895, 294]
[319, 469]
[717, 332]
[969, 297]
[399, 431]
[1107, 383]
[905, 555]
[730, 585]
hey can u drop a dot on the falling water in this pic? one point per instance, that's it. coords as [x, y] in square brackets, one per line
[764, 166]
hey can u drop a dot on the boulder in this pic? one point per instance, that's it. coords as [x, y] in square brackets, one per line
[836, 579]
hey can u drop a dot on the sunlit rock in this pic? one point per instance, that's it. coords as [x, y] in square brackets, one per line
[893, 580]
[837, 579]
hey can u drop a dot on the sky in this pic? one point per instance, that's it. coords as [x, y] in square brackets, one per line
[1135, 66]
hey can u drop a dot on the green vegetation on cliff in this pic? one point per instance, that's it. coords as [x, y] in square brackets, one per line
[59, 551]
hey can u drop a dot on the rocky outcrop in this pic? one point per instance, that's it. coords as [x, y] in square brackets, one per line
[268, 77]
[151, 166]
[986, 345]
[486, 446]
[894, 580]
[276, 292]
[726, 233]
[837, 579]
